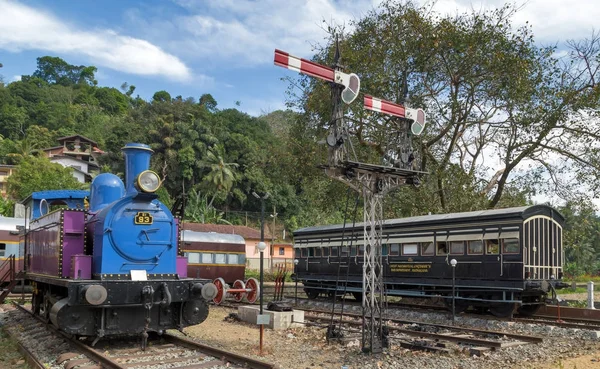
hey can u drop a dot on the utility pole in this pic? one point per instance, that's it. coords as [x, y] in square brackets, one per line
[274, 215]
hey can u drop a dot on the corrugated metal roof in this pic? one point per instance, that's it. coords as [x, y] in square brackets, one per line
[213, 237]
[246, 232]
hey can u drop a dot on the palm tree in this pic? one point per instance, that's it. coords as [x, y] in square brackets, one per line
[221, 175]
[23, 149]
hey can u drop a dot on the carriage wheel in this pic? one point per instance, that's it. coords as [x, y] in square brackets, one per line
[239, 296]
[221, 290]
[312, 293]
[252, 284]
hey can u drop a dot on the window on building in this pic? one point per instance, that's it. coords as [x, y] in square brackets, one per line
[491, 247]
[220, 259]
[510, 246]
[395, 249]
[281, 251]
[193, 257]
[207, 258]
[232, 259]
[475, 247]
[410, 249]
[457, 247]
[427, 248]
[442, 248]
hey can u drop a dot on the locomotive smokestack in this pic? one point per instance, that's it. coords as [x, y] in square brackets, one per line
[137, 160]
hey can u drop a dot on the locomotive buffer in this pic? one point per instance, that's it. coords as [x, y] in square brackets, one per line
[371, 181]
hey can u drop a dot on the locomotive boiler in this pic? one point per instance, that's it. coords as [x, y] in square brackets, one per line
[114, 268]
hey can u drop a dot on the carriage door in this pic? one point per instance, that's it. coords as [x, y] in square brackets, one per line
[492, 258]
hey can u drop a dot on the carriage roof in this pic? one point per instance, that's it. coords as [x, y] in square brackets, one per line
[522, 212]
[212, 237]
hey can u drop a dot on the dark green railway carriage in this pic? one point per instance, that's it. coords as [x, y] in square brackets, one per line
[506, 258]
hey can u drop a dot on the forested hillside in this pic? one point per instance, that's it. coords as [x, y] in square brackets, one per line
[507, 119]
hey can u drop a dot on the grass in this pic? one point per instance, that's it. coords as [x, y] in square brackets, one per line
[267, 276]
[10, 357]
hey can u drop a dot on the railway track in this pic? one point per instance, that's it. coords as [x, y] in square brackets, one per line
[167, 351]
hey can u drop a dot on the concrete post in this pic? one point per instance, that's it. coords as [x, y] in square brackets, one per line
[591, 295]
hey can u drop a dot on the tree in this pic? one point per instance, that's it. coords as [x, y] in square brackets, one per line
[161, 96]
[199, 211]
[55, 70]
[38, 174]
[488, 90]
[221, 175]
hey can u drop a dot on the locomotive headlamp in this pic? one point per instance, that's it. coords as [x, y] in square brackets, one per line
[148, 181]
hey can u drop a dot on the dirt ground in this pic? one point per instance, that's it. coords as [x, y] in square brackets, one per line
[306, 348]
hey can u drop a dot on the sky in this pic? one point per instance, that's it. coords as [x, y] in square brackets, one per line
[221, 47]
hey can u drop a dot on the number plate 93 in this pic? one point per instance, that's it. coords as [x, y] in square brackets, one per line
[143, 218]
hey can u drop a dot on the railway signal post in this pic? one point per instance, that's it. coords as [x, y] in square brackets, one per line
[371, 181]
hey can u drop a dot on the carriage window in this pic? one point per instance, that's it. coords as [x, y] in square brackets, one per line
[491, 247]
[325, 251]
[220, 259]
[384, 250]
[2, 249]
[457, 247]
[353, 250]
[361, 250]
[206, 258]
[510, 246]
[427, 248]
[395, 249]
[304, 252]
[334, 251]
[232, 259]
[442, 248]
[344, 251]
[193, 258]
[311, 252]
[241, 259]
[410, 249]
[317, 252]
[297, 253]
[475, 247]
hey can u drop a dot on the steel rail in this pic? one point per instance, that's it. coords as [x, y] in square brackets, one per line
[238, 359]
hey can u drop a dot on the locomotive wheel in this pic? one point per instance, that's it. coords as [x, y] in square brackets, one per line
[528, 310]
[254, 287]
[239, 296]
[311, 293]
[221, 290]
[502, 310]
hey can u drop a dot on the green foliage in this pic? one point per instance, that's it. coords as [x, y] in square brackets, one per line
[7, 207]
[267, 276]
[38, 174]
[54, 70]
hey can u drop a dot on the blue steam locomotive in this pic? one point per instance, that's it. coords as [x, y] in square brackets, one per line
[116, 267]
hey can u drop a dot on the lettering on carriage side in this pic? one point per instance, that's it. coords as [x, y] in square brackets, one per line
[410, 267]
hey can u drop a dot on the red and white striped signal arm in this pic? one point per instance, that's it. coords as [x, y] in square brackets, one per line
[351, 82]
[390, 108]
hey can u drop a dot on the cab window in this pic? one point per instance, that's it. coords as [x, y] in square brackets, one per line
[475, 247]
[427, 248]
[410, 249]
[510, 246]
[457, 247]
[442, 248]
[491, 247]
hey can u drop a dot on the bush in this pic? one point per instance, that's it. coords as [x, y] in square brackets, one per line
[267, 275]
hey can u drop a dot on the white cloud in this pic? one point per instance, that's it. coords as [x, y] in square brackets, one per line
[16, 78]
[26, 28]
[246, 32]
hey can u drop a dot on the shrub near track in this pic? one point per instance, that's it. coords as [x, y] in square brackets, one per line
[10, 357]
